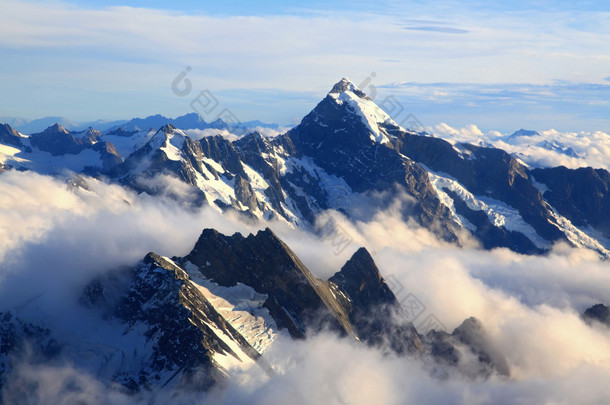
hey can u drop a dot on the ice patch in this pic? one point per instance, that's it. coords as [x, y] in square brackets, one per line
[578, 237]
[499, 213]
[8, 150]
[45, 163]
[241, 306]
[338, 191]
[173, 145]
[541, 187]
[126, 145]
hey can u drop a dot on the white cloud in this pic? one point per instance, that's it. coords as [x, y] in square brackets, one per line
[549, 148]
[75, 233]
[470, 133]
[58, 237]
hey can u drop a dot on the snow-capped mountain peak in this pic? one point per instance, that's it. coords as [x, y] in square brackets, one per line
[170, 140]
[524, 133]
[56, 128]
[346, 84]
[362, 105]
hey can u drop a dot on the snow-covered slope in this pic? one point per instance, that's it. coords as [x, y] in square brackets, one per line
[126, 145]
[499, 213]
[241, 306]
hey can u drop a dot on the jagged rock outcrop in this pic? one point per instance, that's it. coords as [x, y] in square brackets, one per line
[184, 332]
[94, 155]
[338, 138]
[182, 323]
[372, 306]
[10, 136]
[487, 172]
[297, 300]
[599, 313]
[356, 301]
[59, 141]
[469, 349]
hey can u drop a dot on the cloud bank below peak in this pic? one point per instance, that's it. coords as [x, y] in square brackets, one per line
[61, 237]
[549, 148]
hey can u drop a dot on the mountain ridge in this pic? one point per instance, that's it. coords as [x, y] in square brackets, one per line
[345, 148]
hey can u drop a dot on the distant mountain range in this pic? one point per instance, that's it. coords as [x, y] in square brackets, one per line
[27, 126]
[187, 121]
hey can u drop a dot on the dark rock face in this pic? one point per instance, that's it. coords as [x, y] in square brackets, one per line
[447, 349]
[121, 132]
[362, 282]
[355, 301]
[150, 161]
[335, 157]
[173, 333]
[153, 298]
[339, 142]
[9, 136]
[332, 157]
[598, 312]
[492, 236]
[244, 193]
[178, 319]
[58, 141]
[16, 336]
[581, 195]
[109, 155]
[182, 327]
[487, 172]
[345, 85]
[371, 305]
[90, 135]
[154, 160]
[297, 300]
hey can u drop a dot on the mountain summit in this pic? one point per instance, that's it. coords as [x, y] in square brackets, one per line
[362, 106]
[345, 85]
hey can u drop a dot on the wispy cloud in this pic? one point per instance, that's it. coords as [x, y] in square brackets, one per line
[444, 30]
[506, 107]
[90, 62]
[548, 148]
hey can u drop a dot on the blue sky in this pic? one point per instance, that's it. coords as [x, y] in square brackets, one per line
[537, 64]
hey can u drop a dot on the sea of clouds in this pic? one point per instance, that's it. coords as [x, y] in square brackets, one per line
[583, 148]
[57, 237]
